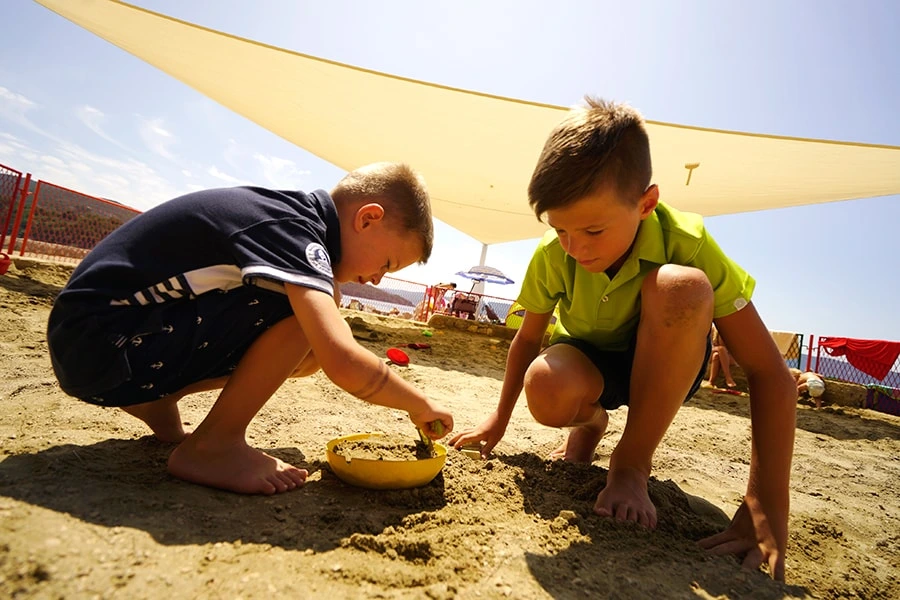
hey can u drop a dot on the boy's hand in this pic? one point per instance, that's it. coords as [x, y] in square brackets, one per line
[425, 420]
[750, 534]
[490, 432]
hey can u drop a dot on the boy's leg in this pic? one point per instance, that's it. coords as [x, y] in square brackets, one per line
[217, 454]
[163, 416]
[676, 313]
[562, 386]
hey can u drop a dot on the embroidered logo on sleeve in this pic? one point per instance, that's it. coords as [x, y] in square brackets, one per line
[740, 303]
[319, 259]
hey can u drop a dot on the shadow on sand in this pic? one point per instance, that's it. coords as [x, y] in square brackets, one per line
[834, 421]
[124, 483]
[600, 560]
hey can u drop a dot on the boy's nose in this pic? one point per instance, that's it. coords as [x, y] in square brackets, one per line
[574, 250]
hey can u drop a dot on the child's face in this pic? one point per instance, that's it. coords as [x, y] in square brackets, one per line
[370, 247]
[599, 229]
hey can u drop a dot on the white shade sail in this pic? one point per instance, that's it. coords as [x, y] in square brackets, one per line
[476, 151]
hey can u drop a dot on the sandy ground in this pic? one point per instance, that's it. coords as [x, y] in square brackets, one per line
[87, 509]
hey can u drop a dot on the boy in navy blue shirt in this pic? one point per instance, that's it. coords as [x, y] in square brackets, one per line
[236, 289]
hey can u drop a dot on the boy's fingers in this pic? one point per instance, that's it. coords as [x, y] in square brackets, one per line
[457, 439]
[732, 547]
[463, 438]
[486, 448]
[714, 540]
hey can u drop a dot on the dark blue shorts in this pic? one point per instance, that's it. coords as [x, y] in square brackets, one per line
[615, 366]
[156, 350]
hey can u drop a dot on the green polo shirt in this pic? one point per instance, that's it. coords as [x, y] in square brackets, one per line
[605, 312]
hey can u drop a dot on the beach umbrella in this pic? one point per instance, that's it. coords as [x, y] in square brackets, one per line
[485, 274]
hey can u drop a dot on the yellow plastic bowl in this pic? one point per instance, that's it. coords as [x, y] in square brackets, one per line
[384, 474]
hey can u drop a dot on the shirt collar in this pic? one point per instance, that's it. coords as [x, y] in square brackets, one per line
[328, 211]
[648, 246]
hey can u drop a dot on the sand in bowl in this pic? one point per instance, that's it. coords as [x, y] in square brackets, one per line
[383, 461]
[383, 447]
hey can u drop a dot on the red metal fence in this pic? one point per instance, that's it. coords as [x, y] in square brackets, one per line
[50, 221]
[10, 183]
[64, 223]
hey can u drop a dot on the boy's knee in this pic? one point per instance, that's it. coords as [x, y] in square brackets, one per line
[677, 290]
[547, 396]
[539, 379]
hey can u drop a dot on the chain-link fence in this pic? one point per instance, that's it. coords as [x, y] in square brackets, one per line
[792, 354]
[49, 221]
[864, 362]
[66, 224]
[10, 182]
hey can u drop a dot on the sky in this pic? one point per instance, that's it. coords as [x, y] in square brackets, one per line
[79, 112]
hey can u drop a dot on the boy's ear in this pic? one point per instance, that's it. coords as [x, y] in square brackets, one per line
[368, 214]
[649, 200]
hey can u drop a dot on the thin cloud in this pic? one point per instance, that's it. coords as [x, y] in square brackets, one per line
[156, 137]
[281, 173]
[229, 179]
[93, 119]
[14, 107]
[15, 102]
[69, 165]
[10, 145]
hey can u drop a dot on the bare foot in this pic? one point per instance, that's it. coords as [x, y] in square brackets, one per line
[625, 498]
[162, 417]
[582, 441]
[236, 467]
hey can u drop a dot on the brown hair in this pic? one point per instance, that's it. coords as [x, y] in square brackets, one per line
[399, 189]
[601, 144]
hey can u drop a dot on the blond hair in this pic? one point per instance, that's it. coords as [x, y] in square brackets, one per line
[400, 190]
[601, 145]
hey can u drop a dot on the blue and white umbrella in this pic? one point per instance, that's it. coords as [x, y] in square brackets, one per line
[482, 273]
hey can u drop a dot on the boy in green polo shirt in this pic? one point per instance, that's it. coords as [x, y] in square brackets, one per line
[638, 285]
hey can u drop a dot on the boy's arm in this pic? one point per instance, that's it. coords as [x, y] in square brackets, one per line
[352, 367]
[759, 527]
[525, 347]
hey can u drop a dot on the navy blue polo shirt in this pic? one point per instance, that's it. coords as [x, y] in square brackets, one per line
[207, 242]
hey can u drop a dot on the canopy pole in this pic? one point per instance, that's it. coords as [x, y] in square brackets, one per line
[478, 288]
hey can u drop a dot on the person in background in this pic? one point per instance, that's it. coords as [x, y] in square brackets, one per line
[720, 358]
[810, 384]
[440, 291]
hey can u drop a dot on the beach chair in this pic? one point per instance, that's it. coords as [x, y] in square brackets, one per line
[464, 305]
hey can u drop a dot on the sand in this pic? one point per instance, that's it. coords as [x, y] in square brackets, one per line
[87, 509]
